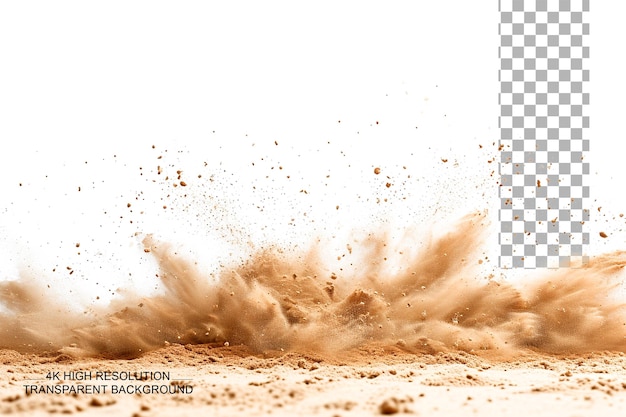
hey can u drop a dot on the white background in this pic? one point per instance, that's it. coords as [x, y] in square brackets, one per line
[233, 91]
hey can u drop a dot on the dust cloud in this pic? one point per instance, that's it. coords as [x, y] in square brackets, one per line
[433, 302]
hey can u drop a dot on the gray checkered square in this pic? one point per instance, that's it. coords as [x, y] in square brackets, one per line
[543, 127]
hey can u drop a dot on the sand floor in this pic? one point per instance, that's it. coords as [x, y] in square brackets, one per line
[230, 381]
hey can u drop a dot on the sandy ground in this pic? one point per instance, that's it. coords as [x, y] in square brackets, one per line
[279, 337]
[230, 381]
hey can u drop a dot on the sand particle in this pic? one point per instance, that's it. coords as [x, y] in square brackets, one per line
[389, 406]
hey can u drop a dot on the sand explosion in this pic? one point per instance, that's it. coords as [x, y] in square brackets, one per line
[432, 303]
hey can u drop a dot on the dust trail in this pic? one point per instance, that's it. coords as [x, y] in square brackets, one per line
[434, 302]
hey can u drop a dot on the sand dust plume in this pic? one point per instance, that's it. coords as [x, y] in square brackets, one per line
[434, 302]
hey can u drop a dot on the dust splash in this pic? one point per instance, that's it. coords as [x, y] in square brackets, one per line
[434, 302]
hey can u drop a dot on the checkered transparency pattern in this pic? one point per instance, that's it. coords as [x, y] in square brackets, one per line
[543, 128]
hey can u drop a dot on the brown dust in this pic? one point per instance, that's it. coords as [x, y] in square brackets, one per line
[432, 303]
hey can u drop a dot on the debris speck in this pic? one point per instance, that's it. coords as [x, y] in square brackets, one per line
[389, 406]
